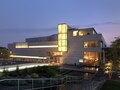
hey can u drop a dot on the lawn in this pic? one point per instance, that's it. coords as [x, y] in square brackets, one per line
[111, 85]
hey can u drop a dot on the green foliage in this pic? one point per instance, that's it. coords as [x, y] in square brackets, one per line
[114, 52]
[35, 72]
[34, 75]
[111, 85]
[4, 53]
[5, 72]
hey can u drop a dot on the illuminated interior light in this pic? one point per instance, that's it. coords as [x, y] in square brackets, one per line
[44, 46]
[10, 52]
[80, 34]
[59, 43]
[55, 53]
[62, 37]
[91, 44]
[85, 45]
[81, 60]
[75, 33]
[21, 45]
[33, 57]
[91, 58]
[96, 69]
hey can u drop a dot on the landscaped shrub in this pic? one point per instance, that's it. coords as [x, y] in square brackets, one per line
[35, 72]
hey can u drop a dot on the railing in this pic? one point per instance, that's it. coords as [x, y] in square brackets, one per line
[34, 84]
[93, 85]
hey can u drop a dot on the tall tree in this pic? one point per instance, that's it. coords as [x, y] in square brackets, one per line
[4, 53]
[115, 52]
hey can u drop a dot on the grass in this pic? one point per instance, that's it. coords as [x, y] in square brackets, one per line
[111, 85]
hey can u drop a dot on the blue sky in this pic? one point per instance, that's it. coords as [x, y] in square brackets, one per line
[20, 19]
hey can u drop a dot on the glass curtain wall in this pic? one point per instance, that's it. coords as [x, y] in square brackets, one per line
[91, 58]
[62, 37]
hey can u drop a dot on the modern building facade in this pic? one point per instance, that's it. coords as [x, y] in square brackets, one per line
[83, 47]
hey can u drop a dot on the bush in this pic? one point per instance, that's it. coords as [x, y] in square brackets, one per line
[34, 75]
[35, 72]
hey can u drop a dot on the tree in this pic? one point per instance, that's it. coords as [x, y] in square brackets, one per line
[5, 72]
[4, 53]
[115, 52]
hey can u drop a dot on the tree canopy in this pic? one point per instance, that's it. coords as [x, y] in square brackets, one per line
[4, 52]
[114, 52]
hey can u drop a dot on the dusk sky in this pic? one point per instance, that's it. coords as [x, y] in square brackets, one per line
[20, 19]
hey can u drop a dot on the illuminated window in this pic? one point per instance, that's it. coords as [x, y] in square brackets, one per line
[44, 46]
[21, 45]
[91, 68]
[64, 43]
[60, 43]
[55, 53]
[80, 33]
[59, 29]
[85, 44]
[90, 44]
[64, 30]
[62, 37]
[75, 33]
[91, 58]
[64, 48]
[59, 48]
[80, 60]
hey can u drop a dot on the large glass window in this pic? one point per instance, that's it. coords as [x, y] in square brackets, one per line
[91, 58]
[80, 33]
[75, 33]
[62, 37]
[90, 44]
[55, 53]
[21, 45]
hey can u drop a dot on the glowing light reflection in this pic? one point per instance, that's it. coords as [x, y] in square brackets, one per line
[33, 57]
[21, 66]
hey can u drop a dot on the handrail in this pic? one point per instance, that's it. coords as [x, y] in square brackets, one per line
[45, 82]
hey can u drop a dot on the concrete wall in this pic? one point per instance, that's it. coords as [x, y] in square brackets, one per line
[76, 47]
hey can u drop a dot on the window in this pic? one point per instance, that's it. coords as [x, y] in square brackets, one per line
[80, 33]
[80, 60]
[91, 58]
[21, 45]
[75, 33]
[62, 37]
[90, 44]
[55, 53]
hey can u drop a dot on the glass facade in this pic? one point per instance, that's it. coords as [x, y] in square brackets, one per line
[91, 58]
[54, 53]
[21, 45]
[62, 37]
[75, 33]
[79, 33]
[90, 44]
